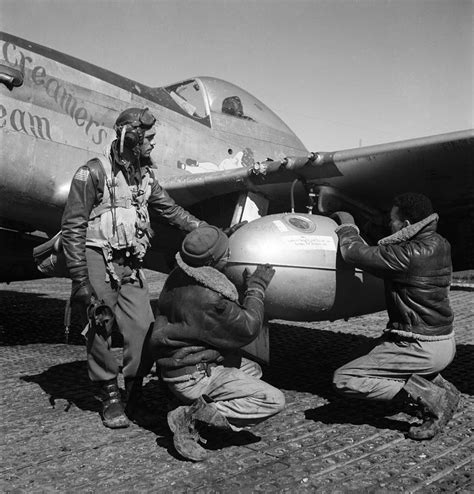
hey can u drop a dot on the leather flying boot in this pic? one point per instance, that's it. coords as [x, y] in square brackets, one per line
[137, 409]
[402, 402]
[113, 415]
[438, 406]
[440, 381]
[209, 415]
[182, 423]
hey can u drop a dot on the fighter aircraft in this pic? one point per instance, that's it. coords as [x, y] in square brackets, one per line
[225, 156]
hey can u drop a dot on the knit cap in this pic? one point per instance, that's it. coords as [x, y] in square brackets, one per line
[204, 246]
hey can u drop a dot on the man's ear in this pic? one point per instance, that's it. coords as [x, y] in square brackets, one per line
[406, 223]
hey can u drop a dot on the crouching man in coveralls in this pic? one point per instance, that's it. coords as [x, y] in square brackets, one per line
[106, 232]
[404, 365]
[196, 340]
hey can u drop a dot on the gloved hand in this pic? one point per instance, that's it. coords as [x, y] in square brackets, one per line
[232, 229]
[81, 290]
[82, 293]
[261, 277]
[341, 217]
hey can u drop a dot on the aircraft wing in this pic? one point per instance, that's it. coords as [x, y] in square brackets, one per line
[192, 188]
[440, 166]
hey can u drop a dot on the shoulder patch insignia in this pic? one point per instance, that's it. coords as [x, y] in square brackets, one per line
[82, 174]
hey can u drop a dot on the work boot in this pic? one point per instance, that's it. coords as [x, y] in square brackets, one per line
[441, 382]
[438, 405]
[113, 415]
[182, 423]
[402, 402]
[137, 409]
[208, 414]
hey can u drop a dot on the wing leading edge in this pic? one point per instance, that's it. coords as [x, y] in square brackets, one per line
[439, 166]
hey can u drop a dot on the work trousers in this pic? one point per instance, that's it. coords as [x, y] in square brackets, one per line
[130, 303]
[239, 394]
[383, 372]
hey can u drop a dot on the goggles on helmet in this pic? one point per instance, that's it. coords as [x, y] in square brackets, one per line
[146, 118]
[136, 117]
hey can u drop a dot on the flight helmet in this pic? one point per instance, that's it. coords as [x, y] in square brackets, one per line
[131, 126]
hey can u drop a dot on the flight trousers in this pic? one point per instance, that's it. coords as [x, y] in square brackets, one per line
[238, 393]
[130, 303]
[383, 372]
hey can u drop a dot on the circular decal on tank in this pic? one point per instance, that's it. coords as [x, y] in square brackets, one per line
[300, 223]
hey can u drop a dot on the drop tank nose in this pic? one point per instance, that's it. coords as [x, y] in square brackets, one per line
[311, 282]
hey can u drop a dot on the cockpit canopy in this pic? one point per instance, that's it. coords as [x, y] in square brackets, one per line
[202, 97]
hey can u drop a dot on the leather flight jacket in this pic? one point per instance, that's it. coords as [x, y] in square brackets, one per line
[415, 264]
[202, 321]
[86, 193]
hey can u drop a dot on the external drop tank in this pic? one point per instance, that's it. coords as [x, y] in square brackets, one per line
[312, 282]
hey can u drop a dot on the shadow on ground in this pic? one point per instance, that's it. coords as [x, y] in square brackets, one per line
[354, 412]
[27, 318]
[69, 382]
[303, 360]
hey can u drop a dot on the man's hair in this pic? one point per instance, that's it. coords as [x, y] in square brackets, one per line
[413, 207]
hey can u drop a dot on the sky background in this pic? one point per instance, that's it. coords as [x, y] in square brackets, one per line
[340, 73]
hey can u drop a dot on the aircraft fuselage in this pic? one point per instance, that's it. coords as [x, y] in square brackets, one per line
[63, 114]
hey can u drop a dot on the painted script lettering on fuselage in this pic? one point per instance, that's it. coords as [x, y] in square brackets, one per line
[56, 90]
[26, 122]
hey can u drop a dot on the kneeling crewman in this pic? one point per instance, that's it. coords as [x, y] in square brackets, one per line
[405, 363]
[197, 339]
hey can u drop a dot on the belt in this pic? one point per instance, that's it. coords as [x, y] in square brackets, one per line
[189, 369]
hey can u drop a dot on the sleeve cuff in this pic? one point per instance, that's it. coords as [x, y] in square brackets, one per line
[345, 225]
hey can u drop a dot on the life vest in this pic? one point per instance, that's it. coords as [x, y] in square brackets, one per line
[121, 221]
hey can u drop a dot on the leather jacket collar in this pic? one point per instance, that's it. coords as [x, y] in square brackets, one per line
[211, 278]
[410, 231]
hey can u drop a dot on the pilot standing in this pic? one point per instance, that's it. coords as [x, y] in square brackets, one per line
[106, 233]
[197, 339]
[405, 363]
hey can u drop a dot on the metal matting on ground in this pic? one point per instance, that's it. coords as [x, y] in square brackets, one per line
[53, 440]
